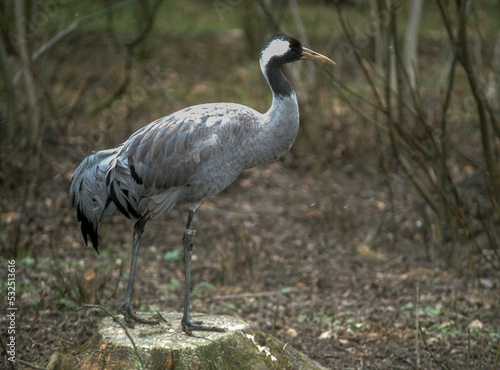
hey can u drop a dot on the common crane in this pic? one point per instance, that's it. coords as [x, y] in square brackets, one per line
[185, 157]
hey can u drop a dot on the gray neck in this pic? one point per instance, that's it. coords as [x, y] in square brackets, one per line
[279, 127]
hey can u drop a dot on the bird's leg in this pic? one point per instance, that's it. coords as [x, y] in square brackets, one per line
[126, 305]
[187, 241]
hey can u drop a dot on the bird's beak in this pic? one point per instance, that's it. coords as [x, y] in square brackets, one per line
[309, 54]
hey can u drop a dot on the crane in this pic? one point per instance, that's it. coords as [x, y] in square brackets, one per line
[185, 157]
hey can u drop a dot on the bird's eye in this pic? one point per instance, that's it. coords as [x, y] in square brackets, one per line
[292, 43]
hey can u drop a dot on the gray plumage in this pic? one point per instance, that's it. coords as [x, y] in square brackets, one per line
[181, 158]
[187, 156]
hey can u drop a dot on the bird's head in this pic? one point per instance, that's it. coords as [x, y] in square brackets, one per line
[281, 49]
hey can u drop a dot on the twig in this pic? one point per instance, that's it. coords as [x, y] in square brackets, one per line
[115, 290]
[341, 88]
[29, 364]
[397, 134]
[47, 46]
[116, 319]
[276, 315]
[417, 322]
[4, 348]
[33, 118]
[462, 52]
[149, 26]
[440, 363]
[468, 348]
[37, 312]
[77, 24]
[497, 357]
[63, 287]
[10, 98]
[358, 58]
[249, 295]
[52, 108]
[83, 89]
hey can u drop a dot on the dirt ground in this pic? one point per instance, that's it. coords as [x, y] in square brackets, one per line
[304, 253]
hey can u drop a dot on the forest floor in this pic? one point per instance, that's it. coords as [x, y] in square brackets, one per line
[272, 249]
[314, 251]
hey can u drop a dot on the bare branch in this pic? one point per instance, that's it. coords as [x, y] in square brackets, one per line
[44, 48]
[10, 105]
[29, 84]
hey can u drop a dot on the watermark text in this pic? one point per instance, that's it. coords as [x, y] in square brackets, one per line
[11, 310]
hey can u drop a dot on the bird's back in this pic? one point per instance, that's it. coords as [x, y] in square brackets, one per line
[182, 158]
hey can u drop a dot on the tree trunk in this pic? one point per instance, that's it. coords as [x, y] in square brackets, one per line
[166, 346]
[21, 41]
[410, 48]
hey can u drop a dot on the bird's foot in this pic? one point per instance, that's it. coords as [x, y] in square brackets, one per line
[130, 316]
[188, 327]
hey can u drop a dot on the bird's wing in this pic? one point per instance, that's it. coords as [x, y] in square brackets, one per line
[169, 151]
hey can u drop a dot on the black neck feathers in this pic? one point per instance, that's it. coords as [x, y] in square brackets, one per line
[277, 80]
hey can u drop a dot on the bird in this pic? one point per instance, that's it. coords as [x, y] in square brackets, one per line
[185, 157]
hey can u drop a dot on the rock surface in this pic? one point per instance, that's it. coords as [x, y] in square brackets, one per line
[166, 346]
